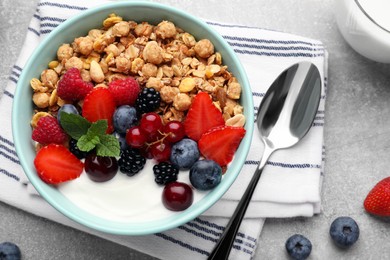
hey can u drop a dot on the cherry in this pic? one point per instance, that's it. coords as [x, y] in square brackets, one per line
[135, 138]
[175, 131]
[100, 169]
[177, 196]
[150, 126]
[160, 151]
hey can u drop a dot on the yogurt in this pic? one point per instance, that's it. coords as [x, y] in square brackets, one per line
[123, 199]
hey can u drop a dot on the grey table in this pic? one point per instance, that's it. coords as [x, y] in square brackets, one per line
[357, 138]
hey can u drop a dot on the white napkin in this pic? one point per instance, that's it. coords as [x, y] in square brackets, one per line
[291, 181]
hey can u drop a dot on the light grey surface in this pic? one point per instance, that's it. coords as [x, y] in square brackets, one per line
[357, 138]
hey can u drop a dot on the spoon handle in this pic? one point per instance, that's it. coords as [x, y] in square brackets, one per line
[225, 243]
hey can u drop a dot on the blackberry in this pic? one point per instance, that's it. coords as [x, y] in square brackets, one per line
[73, 148]
[148, 101]
[131, 161]
[165, 173]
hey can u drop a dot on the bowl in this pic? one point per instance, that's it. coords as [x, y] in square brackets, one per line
[365, 25]
[79, 25]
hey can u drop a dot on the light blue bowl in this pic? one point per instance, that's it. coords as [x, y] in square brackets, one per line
[79, 26]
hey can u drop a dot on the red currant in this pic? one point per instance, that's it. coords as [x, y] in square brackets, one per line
[150, 125]
[135, 138]
[177, 196]
[175, 131]
[100, 169]
[161, 151]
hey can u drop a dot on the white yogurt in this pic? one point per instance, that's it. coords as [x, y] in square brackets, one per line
[123, 199]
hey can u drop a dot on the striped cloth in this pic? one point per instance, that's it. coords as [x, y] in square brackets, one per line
[291, 181]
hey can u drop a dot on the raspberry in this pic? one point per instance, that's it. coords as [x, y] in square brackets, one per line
[125, 91]
[48, 131]
[72, 86]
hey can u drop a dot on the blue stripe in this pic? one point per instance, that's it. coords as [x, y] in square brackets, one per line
[46, 31]
[65, 6]
[245, 39]
[274, 48]
[6, 92]
[48, 18]
[9, 157]
[53, 25]
[182, 244]
[272, 54]
[8, 150]
[198, 234]
[286, 165]
[258, 94]
[13, 176]
[17, 67]
[5, 140]
[34, 31]
[15, 73]
[12, 79]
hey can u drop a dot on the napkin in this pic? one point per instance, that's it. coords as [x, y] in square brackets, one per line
[291, 181]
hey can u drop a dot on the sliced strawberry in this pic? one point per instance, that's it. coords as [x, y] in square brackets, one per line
[220, 143]
[99, 104]
[377, 201]
[55, 164]
[202, 116]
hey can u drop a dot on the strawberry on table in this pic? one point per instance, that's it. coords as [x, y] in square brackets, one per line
[99, 104]
[72, 87]
[377, 201]
[220, 143]
[202, 116]
[48, 131]
[55, 164]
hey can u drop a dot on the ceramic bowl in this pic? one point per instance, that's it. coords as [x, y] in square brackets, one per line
[79, 26]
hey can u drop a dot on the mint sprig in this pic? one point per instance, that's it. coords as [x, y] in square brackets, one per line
[90, 135]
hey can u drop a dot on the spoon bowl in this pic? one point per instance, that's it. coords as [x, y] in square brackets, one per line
[285, 115]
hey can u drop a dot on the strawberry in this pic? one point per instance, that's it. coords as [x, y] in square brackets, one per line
[377, 201]
[99, 104]
[220, 143]
[48, 131]
[72, 87]
[202, 116]
[125, 91]
[55, 164]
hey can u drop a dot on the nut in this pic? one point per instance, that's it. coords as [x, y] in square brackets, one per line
[36, 117]
[96, 72]
[187, 85]
[237, 120]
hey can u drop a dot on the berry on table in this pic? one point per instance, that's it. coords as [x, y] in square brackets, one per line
[10, 251]
[298, 247]
[73, 148]
[125, 91]
[48, 131]
[177, 196]
[99, 168]
[377, 201]
[124, 117]
[72, 87]
[55, 164]
[131, 161]
[184, 153]
[148, 101]
[135, 138]
[344, 231]
[165, 172]
[220, 143]
[205, 175]
[202, 116]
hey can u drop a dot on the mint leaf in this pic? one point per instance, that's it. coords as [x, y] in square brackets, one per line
[74, 125]
[98, 128]
[87, 142]
[108, 146]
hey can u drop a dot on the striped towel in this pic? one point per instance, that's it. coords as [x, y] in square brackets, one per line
[291, 181]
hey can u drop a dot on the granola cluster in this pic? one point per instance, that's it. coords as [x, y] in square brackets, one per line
[162, 56]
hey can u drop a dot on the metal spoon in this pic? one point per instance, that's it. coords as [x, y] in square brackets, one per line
[285, 115]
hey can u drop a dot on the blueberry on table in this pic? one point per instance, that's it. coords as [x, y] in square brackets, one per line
[298, 247]
[9, 251]
[344, 231]
[205, 174]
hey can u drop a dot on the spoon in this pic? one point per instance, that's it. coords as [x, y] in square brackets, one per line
[285, 115]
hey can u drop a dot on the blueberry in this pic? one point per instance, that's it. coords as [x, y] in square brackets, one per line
[122, 141]
[124, 118]
[9, 251]
[205, 174]
[68, 108]
[184, 153]
[298, 247]
[344, 231]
